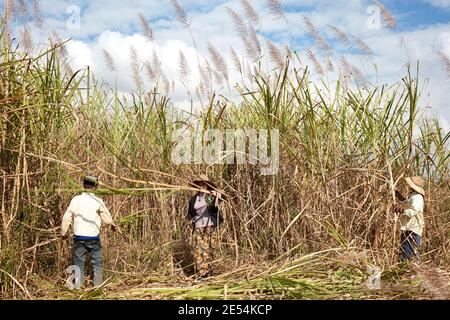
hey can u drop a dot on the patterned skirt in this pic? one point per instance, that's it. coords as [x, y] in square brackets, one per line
[206, 246]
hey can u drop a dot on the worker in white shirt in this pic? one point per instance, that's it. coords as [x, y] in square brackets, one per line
[86, 213]
[411, 219]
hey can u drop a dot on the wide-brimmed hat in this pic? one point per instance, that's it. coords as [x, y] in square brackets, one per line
[417, 184]
[203, 178]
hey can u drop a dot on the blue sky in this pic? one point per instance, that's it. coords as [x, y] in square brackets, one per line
[418, 13]
[410, 14]
[423, 30]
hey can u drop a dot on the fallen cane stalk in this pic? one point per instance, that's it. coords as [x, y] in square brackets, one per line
[391, 184]
[40, 244]
[18, 283]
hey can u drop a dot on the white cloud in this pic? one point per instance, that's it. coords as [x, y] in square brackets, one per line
[439, 3]
[113, 25]
[119, 45]
[394, 49]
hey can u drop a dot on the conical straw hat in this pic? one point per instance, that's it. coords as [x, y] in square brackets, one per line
[417, 184]
[203, 178]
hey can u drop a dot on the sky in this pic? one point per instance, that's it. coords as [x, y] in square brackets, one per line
[421, 32]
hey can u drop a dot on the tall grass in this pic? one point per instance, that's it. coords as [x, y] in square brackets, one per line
[343, 151]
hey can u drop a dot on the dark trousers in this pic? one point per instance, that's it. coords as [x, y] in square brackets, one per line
[409, 247]
[92, 248]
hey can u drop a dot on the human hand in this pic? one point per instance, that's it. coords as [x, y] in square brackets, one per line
[397, 208]
[217, 197]
[216, 194]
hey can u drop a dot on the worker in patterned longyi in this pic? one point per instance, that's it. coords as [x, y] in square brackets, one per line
[203, 211]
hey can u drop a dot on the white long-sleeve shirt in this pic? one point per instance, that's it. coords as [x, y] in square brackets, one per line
[86, 213]
[412, 218]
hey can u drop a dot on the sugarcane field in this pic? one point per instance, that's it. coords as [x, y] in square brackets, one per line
[224, 150]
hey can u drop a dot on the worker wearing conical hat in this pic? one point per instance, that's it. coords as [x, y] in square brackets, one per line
[204, 214]
[411, 219]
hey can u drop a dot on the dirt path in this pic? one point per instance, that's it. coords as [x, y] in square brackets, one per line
[435, 282]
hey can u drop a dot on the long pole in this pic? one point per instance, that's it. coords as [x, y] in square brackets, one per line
[392, 185]
[6, 6]
[7, 12]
